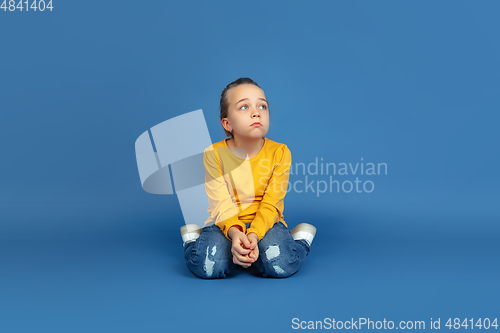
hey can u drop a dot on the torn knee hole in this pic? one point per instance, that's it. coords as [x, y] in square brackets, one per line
[208, 266]
[272, 251]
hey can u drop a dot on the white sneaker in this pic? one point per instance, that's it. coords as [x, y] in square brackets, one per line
[304, 231]
[190, 233]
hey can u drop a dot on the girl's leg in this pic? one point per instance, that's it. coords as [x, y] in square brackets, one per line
[279, 254]
[210, 255]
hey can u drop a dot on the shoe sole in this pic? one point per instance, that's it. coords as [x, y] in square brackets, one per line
[190, 228]
[305, 232]
[306, 227]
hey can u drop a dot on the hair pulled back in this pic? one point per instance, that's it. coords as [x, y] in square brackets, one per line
[224, 103]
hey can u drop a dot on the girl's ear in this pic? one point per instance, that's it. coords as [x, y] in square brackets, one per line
[227, 126]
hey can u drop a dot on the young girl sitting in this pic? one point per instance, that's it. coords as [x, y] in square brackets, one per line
[246, 182]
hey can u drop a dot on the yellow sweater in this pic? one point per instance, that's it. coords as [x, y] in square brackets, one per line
[242, 190]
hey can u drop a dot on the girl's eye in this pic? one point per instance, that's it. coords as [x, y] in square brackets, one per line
[264, 107]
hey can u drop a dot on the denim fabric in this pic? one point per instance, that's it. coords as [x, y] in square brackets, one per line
[279, 254]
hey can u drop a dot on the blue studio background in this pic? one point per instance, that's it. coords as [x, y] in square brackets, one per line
[413, 84]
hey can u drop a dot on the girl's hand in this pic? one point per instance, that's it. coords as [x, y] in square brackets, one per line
[254, 248]
[240, 248]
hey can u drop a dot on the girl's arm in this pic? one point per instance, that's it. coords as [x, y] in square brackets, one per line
[271, 207]
[223, 210]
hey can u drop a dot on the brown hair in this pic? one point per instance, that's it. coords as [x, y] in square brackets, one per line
[224, 103]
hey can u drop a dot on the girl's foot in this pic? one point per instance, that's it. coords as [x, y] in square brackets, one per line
[304, 231]
[190, 233]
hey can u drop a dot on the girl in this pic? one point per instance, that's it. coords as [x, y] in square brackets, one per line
[246, 181]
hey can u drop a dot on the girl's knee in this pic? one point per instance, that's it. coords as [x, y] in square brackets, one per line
[208, 262]
[278, 261]
[277, 234]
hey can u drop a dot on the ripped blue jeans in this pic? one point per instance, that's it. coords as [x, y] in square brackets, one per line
[279, 254]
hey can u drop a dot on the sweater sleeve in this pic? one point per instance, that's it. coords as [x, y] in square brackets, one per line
[271, 207]
[223, 210]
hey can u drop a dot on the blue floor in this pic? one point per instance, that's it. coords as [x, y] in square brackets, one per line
[96, 270]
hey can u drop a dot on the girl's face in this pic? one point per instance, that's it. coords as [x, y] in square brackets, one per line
[247, 105]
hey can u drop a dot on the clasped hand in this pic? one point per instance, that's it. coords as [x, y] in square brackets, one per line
[244, 249]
